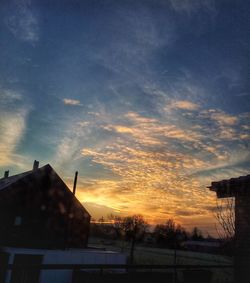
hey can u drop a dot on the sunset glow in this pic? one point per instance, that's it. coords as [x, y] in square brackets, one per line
[148, 100]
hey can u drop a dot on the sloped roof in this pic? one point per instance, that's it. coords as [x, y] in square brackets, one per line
[230, 187]
[6, 183]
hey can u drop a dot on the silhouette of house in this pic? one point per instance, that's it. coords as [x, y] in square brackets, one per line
[202, 246]
[240, 189]
[38, 210]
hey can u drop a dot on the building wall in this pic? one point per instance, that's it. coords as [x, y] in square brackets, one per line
[42, 213]
[64, 257]
[242, 234]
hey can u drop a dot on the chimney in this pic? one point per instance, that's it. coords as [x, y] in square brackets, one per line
[6, 174]
[35, 165]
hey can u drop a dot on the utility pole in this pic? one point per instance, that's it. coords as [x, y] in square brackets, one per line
[75, 181]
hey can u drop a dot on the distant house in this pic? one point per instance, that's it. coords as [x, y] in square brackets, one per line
[149, 238]
[202, 246]
[38, 210]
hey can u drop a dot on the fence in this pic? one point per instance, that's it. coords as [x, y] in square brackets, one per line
[99, 273]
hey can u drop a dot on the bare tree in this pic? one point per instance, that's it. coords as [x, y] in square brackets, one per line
[196, 234]
[117, 225]
[132, 227]
[225, 215]
[169, 234]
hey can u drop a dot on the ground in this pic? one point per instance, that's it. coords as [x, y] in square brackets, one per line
[151, 255]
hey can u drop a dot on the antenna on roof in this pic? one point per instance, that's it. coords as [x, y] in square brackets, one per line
[75, 181]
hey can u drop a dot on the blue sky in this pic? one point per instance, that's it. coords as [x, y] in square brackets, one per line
[148, 100]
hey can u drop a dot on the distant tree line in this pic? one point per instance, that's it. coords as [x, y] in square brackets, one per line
[130, 228]
[136, 229]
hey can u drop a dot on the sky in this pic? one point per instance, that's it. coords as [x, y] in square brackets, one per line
[149, 100]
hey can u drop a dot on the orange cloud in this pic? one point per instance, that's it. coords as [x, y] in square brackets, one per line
[184, 105]
[156, 165]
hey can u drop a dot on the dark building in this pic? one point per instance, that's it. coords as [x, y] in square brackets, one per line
[239, 188]
[38, 210]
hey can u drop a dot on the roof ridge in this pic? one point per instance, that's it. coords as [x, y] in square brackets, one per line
[4, 182]
[12, 176]
[30, 171]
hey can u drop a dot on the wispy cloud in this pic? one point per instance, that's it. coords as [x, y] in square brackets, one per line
[154, 158]
[22, 21]
[9, 96]
[12, 126]
[73, 102]
[223, 118]
[129, 54]
[192, 6]
[183, 104]
[69, 145]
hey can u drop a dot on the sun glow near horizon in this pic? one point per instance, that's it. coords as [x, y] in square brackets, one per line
[148, 100]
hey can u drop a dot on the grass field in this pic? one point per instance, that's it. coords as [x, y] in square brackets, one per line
[150, 255]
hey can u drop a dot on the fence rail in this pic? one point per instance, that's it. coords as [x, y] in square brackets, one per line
[112, 273]
[112, 266]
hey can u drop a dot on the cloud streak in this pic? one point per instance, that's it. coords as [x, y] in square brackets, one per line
[73, 102]
[192, 6]
[184, 105]
[12, 127]
[22, 21]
